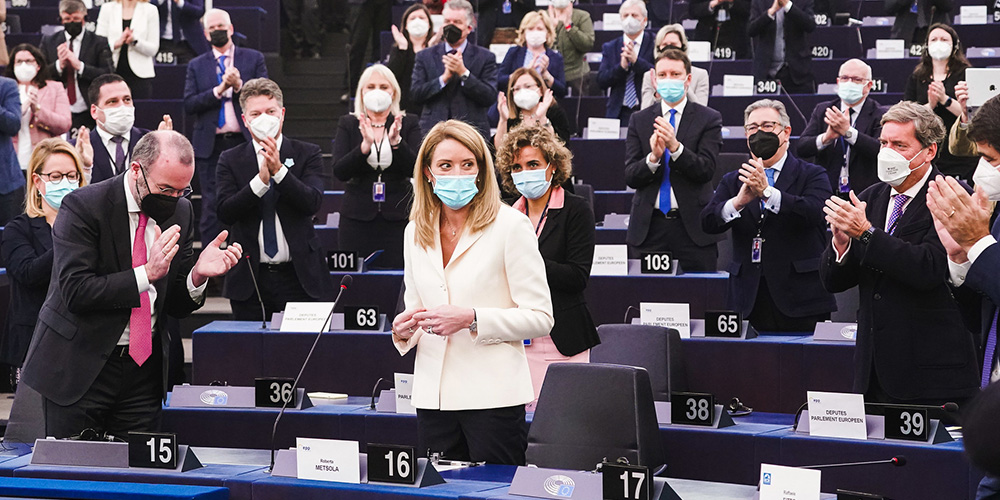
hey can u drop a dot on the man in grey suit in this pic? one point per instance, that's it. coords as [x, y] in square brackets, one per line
[455, 79]
[98, 355]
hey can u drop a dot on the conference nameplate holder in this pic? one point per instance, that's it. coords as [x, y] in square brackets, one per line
[720, 417]
[635, 268]
[337, 323]
[536, 482]
[286, 465]
[747, 332]
[836, 332]
[216, 396]
[70, 453]
[386, 401]
[936, 432]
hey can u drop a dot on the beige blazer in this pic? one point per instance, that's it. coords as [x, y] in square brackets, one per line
[145, 28]
[499, 273]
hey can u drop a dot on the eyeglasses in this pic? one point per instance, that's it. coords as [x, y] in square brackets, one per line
[531, 86]
[175, 193]
[752, 128]
[58, 176]
[856, 79]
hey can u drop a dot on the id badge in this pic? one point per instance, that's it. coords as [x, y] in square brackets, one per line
[845, 186]
[755, 250]
[378, 192]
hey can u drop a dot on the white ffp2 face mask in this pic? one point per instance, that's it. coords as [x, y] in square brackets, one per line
[988, 177]
[377, 100]
[893, 168]
[265, 125]
[119, 120]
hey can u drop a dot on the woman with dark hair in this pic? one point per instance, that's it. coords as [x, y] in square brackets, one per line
[44, 103]
[528, 100]
[932, 84]
[416, 33]
[534, 163]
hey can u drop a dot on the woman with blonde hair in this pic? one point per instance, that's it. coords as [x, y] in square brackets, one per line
[475, 290]
[672, 36]
[533, 49]
[534, 163]
[374, 154]
[54, 170]
[132, 28]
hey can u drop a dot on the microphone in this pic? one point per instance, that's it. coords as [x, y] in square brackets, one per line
[781, 90]
[898, 461]
[629, 309]
[344, 283]
[946, 413]
[375, 391]
[253, 277]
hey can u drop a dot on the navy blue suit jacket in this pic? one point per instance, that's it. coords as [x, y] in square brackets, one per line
[200, 100]
[299, 196]
[27, 253]
[103, 161]
[982, 278]
[799, 22]
[700, 131]
[611, 75]
[186, 20]
[515, 59]
[11, 177]
[910, 328]
[467, 101]
[794, 239]
[862, 165]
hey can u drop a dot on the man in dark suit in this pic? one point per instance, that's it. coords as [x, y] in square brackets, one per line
[912, 344]
[963, 225]
[11, 177]
[76, 57]
[625, 61]
[269, 190]
[99, 349]
[779, 30]
[112, 140]
[211, 94]
[455, 79]
[180, 29]
[773, 204]
[724, 23]
[913, 17]
[843, 134]
[672, 170]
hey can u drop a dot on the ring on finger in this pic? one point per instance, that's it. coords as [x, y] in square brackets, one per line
[952, 213]
[430, 330]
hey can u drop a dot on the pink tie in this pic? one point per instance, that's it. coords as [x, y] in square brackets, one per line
[139, 327]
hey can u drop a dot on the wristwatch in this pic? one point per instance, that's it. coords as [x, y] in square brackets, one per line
[849, 134]
[465, 76]
[474, 326]
[948, 102]
[867, 235]
[768, 191]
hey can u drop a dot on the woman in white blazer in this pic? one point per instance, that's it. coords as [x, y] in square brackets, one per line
[672, 36]
[132, 28]
[475, 290]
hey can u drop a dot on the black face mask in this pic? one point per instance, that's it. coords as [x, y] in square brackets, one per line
[219, 38]
[451, 33]
[764, 145]
[73, 29]
[158, 207]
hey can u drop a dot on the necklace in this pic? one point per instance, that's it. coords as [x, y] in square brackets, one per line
[448, 225]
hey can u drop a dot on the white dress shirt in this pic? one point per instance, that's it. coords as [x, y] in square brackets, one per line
[81, 104]
[232, 121]
[665, 109]
[773, 203]
[260, 189]
[112, 147]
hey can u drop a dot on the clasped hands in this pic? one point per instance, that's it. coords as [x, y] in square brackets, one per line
[443, 320]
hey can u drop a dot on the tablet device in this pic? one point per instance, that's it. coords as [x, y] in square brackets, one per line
[984, 83]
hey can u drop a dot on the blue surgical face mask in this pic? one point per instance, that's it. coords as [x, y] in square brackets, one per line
[455, 191]
[56, 191]
[850, 92]
[670, 91]
[531, 183]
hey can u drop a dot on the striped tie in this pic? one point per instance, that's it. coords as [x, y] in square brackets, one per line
[631, 98]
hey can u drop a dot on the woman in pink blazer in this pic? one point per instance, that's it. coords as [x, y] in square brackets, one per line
[44, 103]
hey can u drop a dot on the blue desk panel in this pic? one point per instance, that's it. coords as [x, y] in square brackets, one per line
[283, 488]
[35, 488]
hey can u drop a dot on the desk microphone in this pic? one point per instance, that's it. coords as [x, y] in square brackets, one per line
[344, 283]
[781, 90]
[375, 391]
[253, 277]
[898, 461]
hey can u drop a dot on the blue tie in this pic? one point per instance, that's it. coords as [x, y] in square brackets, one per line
[769, 172]
[268, 206]
[631, 98]
[665, 183]
[222, 108]
[991, 349]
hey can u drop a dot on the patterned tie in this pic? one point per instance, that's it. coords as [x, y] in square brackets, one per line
[897, 210]
[222, 108]
[845, 155]
[140, 323]
[631, 98]
[119, 153]
[779, 38]
[665, 183]
[71, 78]
[769, 172]
[991, 349]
